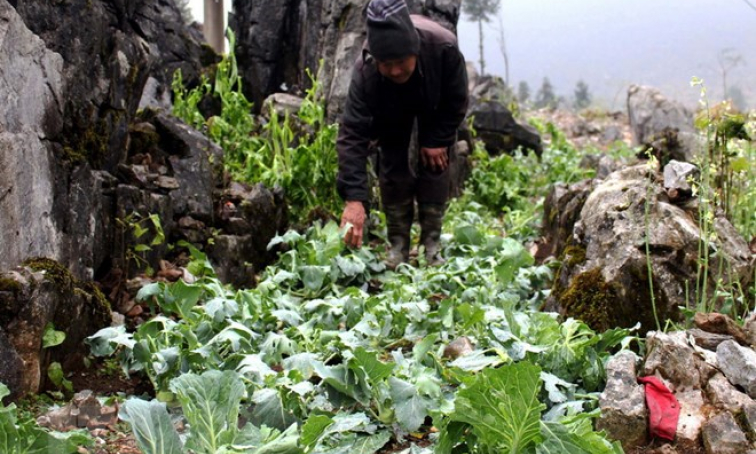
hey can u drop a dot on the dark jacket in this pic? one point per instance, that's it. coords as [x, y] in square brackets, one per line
[441, 105]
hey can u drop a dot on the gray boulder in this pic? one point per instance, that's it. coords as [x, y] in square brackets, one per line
[623, 404]
[662, 124]
[610, 286]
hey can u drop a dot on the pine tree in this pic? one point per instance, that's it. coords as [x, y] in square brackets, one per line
[480, 11]
[545, 96]
[582, 95]
[523, 92]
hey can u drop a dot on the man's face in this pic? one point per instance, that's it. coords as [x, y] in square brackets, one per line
[398, 70]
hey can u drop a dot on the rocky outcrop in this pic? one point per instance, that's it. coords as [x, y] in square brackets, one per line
[323, 36]
[86, 182]
[604, 277]
[663, 125]
[44, 293]
[494, 122]
[715, 415]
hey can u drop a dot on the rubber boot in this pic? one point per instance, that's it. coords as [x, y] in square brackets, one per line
[399, 224]
[431, 218]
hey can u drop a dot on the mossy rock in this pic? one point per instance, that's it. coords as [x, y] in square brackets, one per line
[63, 279]
[589, 298]
[10, 285]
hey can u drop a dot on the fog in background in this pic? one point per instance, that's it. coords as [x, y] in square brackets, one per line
[611, 44]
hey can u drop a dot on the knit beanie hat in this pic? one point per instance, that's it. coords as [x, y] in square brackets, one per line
[390, 31]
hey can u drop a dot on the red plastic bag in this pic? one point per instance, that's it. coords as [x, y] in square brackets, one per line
[663, 408]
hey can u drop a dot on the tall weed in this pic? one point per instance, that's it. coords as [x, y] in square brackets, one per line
[296, 153]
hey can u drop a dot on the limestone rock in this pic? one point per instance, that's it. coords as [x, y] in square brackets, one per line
[738, 364]
[677, 176]
[661, 123]
[612, 231]
[721, 435]
[691, 421]
[725, 396]
[709, 341]
[623, 406]
[674, 359]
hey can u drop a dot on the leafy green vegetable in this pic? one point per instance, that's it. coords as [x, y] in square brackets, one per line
[211, 405]
[152, 426]
[502, 408]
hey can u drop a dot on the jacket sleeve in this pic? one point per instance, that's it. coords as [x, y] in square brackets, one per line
[452, 106]
[353, 140]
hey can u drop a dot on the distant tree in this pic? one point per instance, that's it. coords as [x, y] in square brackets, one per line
[523, 92]
[545, 96]
[582, 95]
[480, 11]
[728, 59]
[503, 50]
[737, 97]
[186, 12]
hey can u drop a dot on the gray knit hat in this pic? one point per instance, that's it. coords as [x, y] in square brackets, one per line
[390, 31]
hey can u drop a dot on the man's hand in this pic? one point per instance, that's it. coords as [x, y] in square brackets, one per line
[435, 158]
[354, 214]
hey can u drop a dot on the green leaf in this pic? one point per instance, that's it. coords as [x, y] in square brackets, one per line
[369, 444]
[105, 341]
[475, 361]
[451, 435]
[58, 377]
[502, 407]
[142, 248]
[313, 276]
[468, 234]
[211, 405]
[410, 408]
[270, 410]
[265, 440]
[511, 257]
[151, 426]
[51, 337]
[578, 439]
[149, 290]
[376, 370]
[313, 428]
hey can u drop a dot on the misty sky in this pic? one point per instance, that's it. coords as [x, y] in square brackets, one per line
[611, 44]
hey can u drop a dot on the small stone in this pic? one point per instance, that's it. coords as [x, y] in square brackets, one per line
[691, 420]
[720, 324]
[126, 305]
[136, 311]
[721, 435]
[171, 275]
[458, 348]
[188, 222]
[674, 359]
[677, 175]
[749, 417]
[117, 319]
[739, 365]
[623, 406]
[723, 395]
[707, 340]
[169, 183]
